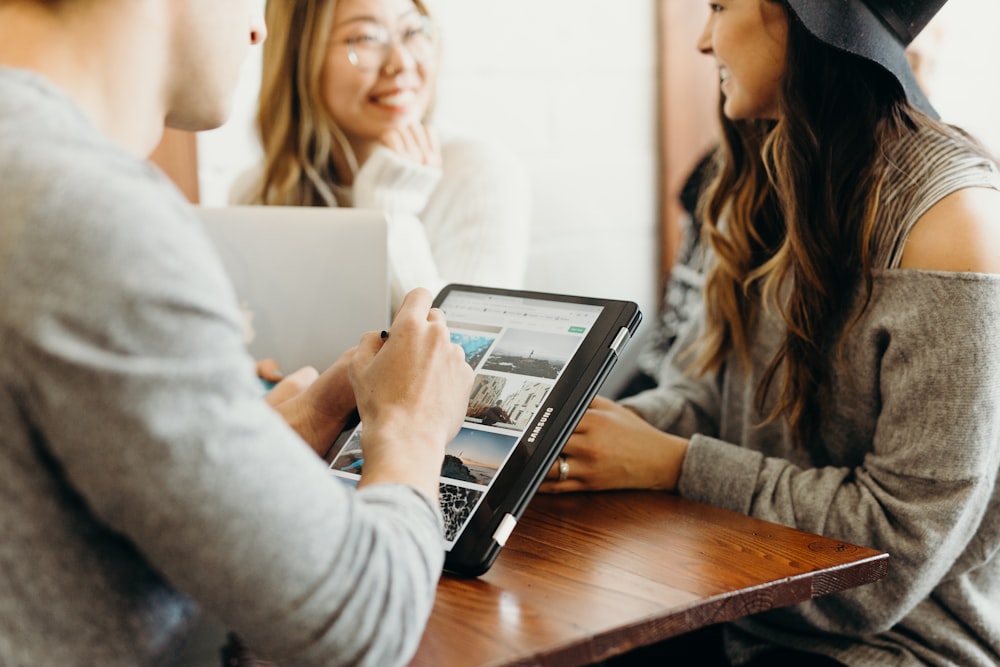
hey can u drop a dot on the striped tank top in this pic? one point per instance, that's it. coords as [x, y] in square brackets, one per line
[926, 167]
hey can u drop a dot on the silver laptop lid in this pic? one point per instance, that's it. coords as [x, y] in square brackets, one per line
[310, 281]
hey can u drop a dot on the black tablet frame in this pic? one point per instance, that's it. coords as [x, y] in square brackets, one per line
[482, 538]
[539, 443]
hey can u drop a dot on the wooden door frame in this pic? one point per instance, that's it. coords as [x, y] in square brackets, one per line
[688, 98]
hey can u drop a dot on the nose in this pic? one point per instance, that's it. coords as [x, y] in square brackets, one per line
[705, 39]
[398, 58]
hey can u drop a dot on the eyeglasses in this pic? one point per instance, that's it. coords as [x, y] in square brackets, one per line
[370, 44]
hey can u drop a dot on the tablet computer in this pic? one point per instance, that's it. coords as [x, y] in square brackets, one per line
[539, 359]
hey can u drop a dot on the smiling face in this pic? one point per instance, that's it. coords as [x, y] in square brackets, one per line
[749, 40]
[367, 102]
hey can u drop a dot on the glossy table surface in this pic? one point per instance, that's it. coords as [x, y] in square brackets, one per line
[587, 576]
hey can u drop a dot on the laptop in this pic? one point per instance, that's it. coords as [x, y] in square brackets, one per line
[310, 281]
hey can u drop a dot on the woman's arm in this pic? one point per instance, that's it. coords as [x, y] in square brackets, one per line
[640, 443]
[401, 188]
[479, 218]
[959, 233]
[467, 221]
[643, 457]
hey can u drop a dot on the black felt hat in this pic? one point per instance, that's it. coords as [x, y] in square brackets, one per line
[877, 30]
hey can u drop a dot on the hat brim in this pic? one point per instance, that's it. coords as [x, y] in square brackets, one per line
[849, 25]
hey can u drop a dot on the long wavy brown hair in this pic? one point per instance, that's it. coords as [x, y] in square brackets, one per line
[790, 215]
[303, 146]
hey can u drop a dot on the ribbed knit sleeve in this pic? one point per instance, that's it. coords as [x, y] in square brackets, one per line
[469, 222]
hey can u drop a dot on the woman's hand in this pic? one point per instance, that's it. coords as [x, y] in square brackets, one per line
[415, 142]
[614, 448]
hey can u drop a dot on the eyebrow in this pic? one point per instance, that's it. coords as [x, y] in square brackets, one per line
[367, 18]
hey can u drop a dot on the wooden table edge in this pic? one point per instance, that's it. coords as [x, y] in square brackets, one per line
[721, 608]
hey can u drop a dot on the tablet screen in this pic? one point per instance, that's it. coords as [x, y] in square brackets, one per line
[519, 347]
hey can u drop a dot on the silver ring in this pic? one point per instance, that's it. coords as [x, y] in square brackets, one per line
[563, 469]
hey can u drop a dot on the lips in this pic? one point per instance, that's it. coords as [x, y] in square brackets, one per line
[396, 98]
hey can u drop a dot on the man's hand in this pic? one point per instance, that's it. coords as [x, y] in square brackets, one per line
[412, 389]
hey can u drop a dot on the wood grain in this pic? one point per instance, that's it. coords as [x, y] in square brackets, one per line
[588, 576]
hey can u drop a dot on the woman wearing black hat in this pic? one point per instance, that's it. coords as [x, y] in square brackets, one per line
[844, 377]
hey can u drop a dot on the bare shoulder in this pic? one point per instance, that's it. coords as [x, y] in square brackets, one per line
[959, 233]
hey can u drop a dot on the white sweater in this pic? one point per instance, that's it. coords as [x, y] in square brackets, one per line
[468, 221]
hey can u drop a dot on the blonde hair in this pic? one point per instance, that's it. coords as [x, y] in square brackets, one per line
[303, 146]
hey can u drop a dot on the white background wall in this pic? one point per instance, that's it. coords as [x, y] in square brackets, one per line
[570, 87]
[965, 83]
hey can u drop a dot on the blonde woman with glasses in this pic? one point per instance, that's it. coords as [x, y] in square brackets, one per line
[346, 95]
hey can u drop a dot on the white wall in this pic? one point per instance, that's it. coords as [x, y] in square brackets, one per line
[570, 87]
[965, 85]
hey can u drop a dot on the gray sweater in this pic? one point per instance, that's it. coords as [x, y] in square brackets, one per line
[906, 460]
[142, 474]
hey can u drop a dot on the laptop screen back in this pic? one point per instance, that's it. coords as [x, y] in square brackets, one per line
[310, 281]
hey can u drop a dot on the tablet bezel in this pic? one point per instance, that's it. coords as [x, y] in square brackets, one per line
[477, 547]
[542, 438]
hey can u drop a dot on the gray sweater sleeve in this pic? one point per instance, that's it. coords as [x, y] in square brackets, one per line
[131, 366]
[682, 403]
[923, 480]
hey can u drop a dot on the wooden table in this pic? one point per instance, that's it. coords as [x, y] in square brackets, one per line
[588, 576]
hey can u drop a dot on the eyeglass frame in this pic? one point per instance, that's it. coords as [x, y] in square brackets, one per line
[391, 39]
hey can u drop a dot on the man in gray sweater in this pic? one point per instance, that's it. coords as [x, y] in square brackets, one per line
[143, 475]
